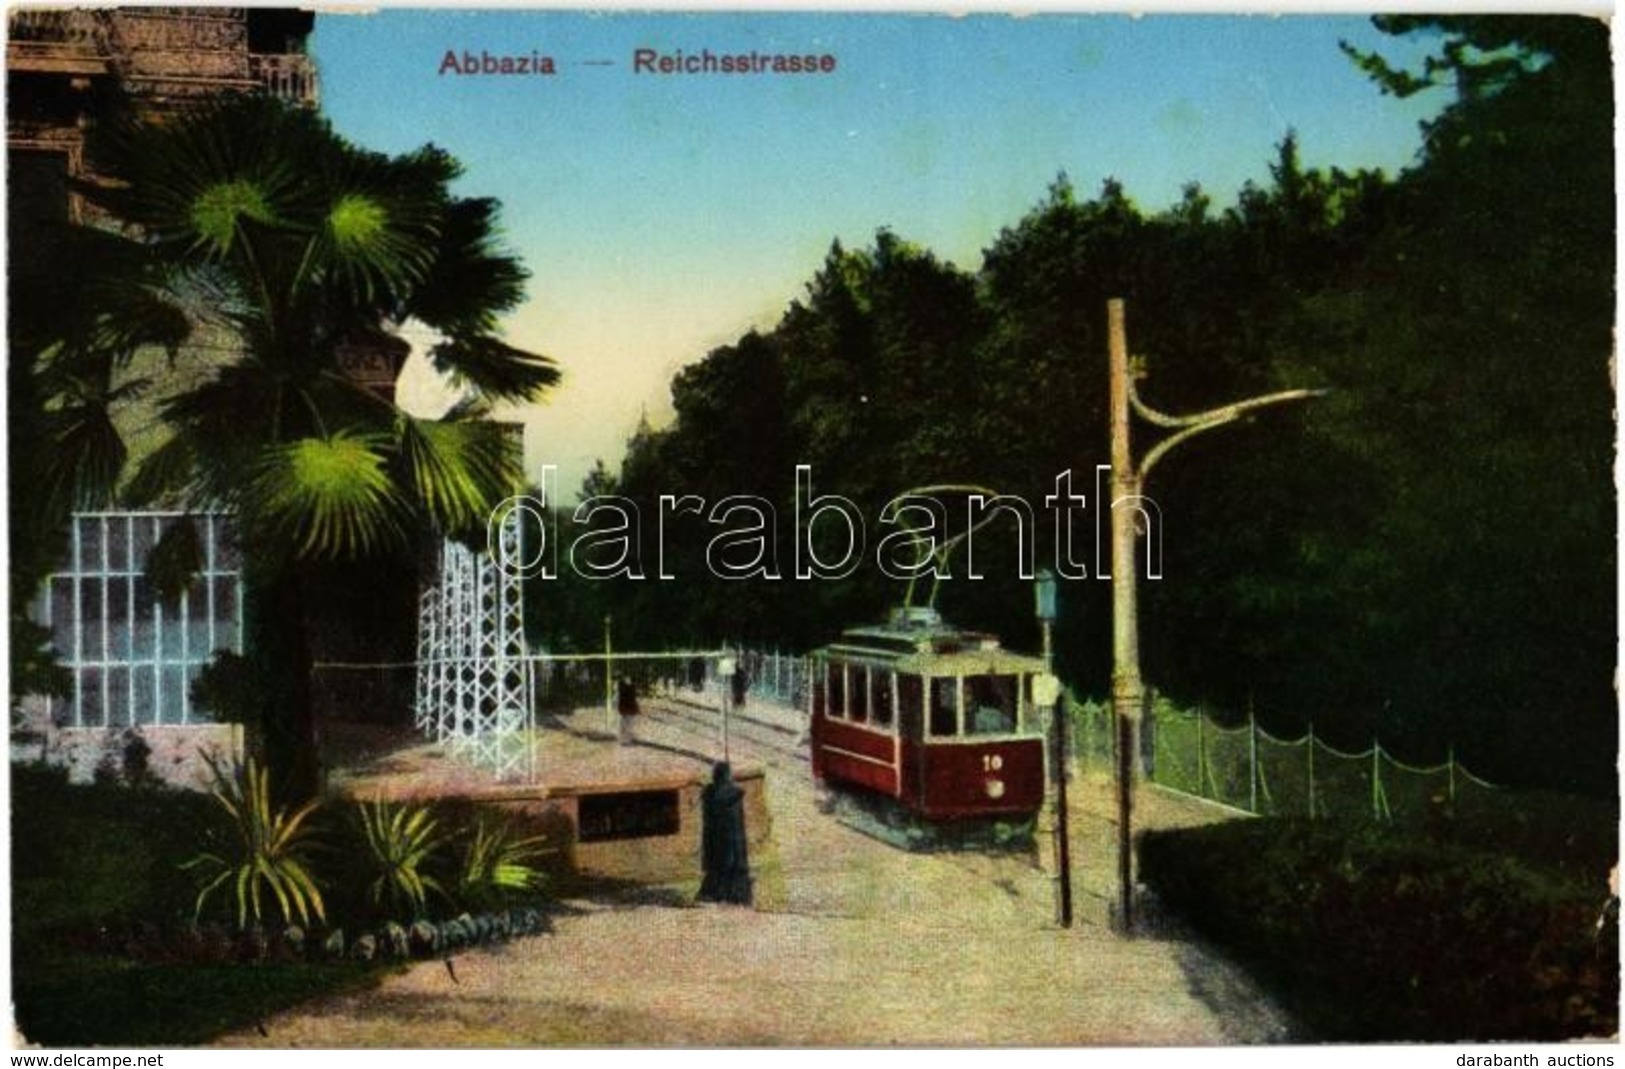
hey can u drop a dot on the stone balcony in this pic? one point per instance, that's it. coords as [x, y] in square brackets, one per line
[167, 52]
[290, 76]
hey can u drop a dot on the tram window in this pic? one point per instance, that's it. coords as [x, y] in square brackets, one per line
[990, 705]
[882, 699]
[837, 690]
[910, 702]
[1033, 717]
[858, 682]
[944, 708]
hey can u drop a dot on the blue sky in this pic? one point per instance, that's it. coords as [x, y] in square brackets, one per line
[663, 215]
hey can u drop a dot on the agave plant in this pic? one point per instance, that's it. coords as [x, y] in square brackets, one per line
[269, 850]
[498, 860]
[403, 845]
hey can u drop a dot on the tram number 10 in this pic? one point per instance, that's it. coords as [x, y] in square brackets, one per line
[992, 762]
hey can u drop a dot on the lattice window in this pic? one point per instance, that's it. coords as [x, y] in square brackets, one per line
[132, 655]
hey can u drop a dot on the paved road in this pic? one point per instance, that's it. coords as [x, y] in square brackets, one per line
[854, 942]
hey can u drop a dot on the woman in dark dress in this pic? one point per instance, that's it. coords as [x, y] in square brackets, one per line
[723, 852]
[626, 703]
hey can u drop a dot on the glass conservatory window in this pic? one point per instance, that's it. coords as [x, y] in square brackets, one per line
[132, 655]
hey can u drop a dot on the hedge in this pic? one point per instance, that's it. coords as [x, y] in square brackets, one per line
[1374, 934]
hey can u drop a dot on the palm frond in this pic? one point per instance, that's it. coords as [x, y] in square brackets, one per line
[228, 416]
[381, 228]
[470, 406]
[331, 496]
[165, 473]
[87, 292]
[460, 471]
[493, 367]
[471, 281]
[87, 453]
[193, 183]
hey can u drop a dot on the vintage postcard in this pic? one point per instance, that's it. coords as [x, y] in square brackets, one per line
[544, 528]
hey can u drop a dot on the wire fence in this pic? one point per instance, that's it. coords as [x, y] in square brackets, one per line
[1242, 766]
[1247, 768]
[783, 678]
[569, 681]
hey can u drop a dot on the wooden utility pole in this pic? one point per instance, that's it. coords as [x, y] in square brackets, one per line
[1126, 685]
[1128, 480]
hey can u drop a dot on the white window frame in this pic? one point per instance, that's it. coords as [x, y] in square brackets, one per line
[71, 647]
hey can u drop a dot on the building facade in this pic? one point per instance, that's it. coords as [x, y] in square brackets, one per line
[61, 65]
[131, 653]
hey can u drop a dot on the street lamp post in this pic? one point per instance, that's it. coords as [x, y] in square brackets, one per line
[726, 668]
[1128, 480]
[1047, 694]
[610, 722]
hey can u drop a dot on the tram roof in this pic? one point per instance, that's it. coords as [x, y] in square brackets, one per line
[921, 644]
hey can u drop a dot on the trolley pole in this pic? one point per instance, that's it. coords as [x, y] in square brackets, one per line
[1126, 506]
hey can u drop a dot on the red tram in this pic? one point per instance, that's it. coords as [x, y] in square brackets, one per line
[942, 721]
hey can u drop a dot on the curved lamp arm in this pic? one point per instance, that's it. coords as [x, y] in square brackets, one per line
[1190, 426]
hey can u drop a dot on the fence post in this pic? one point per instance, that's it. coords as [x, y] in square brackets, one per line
[1201, 756]
[1376, 779]
[1252, 758]
[1081, 738]
[1450, 764]
[1090, 718]
[1112, 737]
[1311, 770]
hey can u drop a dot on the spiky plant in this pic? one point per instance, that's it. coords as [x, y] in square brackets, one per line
[268, 849]
[497, 861]
[403, 845]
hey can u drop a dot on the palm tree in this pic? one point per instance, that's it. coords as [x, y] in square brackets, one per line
[252, 220]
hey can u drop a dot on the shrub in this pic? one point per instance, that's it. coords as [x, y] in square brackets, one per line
[136, 757]
[267, 850]
[402, 846]
[498, 863]
[1379, 934]
[90, 863]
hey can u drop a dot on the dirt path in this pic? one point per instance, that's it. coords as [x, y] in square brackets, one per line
[854, 943]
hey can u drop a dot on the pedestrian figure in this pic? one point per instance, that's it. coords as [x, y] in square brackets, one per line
[723, 851]
[741, 685]
[626, 701]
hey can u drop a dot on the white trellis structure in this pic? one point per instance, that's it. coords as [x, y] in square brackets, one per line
[474, 682]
